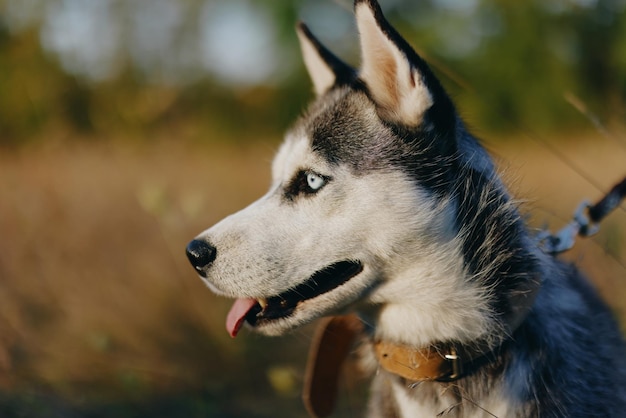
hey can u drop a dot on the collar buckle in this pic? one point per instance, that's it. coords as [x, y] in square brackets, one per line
[456, 365]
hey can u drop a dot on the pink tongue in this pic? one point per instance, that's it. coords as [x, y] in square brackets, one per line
[235, 318]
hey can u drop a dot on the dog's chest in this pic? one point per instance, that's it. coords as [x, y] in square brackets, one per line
[393, 397]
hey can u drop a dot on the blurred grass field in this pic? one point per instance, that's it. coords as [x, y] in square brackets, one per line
[101, 315]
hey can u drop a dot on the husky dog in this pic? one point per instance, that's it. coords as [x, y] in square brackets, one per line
[383, 204]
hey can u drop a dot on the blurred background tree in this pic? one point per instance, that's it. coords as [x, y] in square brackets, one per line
[111, 66]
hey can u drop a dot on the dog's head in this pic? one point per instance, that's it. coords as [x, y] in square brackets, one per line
[360, 207]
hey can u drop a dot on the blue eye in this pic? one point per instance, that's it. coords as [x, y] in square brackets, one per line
[314, 181]
[305, 183]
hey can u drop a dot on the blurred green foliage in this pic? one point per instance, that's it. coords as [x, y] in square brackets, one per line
[508, 64]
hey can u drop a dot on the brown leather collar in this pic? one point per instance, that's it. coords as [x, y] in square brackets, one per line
[449, 361]
[334, 340]
[442, 362]
[431, 363]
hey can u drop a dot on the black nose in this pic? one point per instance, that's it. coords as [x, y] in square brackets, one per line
[201, 254]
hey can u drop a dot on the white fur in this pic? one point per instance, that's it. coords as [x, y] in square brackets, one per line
[272, 246]
[496, 405]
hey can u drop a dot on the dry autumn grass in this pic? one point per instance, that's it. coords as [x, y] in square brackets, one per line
[100, 315]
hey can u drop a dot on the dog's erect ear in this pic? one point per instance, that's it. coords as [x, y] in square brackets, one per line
[398, 80]
[325, 69]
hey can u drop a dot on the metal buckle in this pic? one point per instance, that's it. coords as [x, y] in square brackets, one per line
[457, 365]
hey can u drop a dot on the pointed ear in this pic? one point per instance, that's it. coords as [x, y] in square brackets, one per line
[397, 79]
[325, 69]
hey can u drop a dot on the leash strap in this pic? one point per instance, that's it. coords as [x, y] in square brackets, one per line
[583, 224]
[331, 346]
[610, 202]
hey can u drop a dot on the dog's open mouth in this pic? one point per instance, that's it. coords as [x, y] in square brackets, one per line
[259, 311]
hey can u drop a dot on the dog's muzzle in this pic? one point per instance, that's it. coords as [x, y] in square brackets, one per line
[201, 254]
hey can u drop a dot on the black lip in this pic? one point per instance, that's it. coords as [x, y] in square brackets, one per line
[321, 282]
